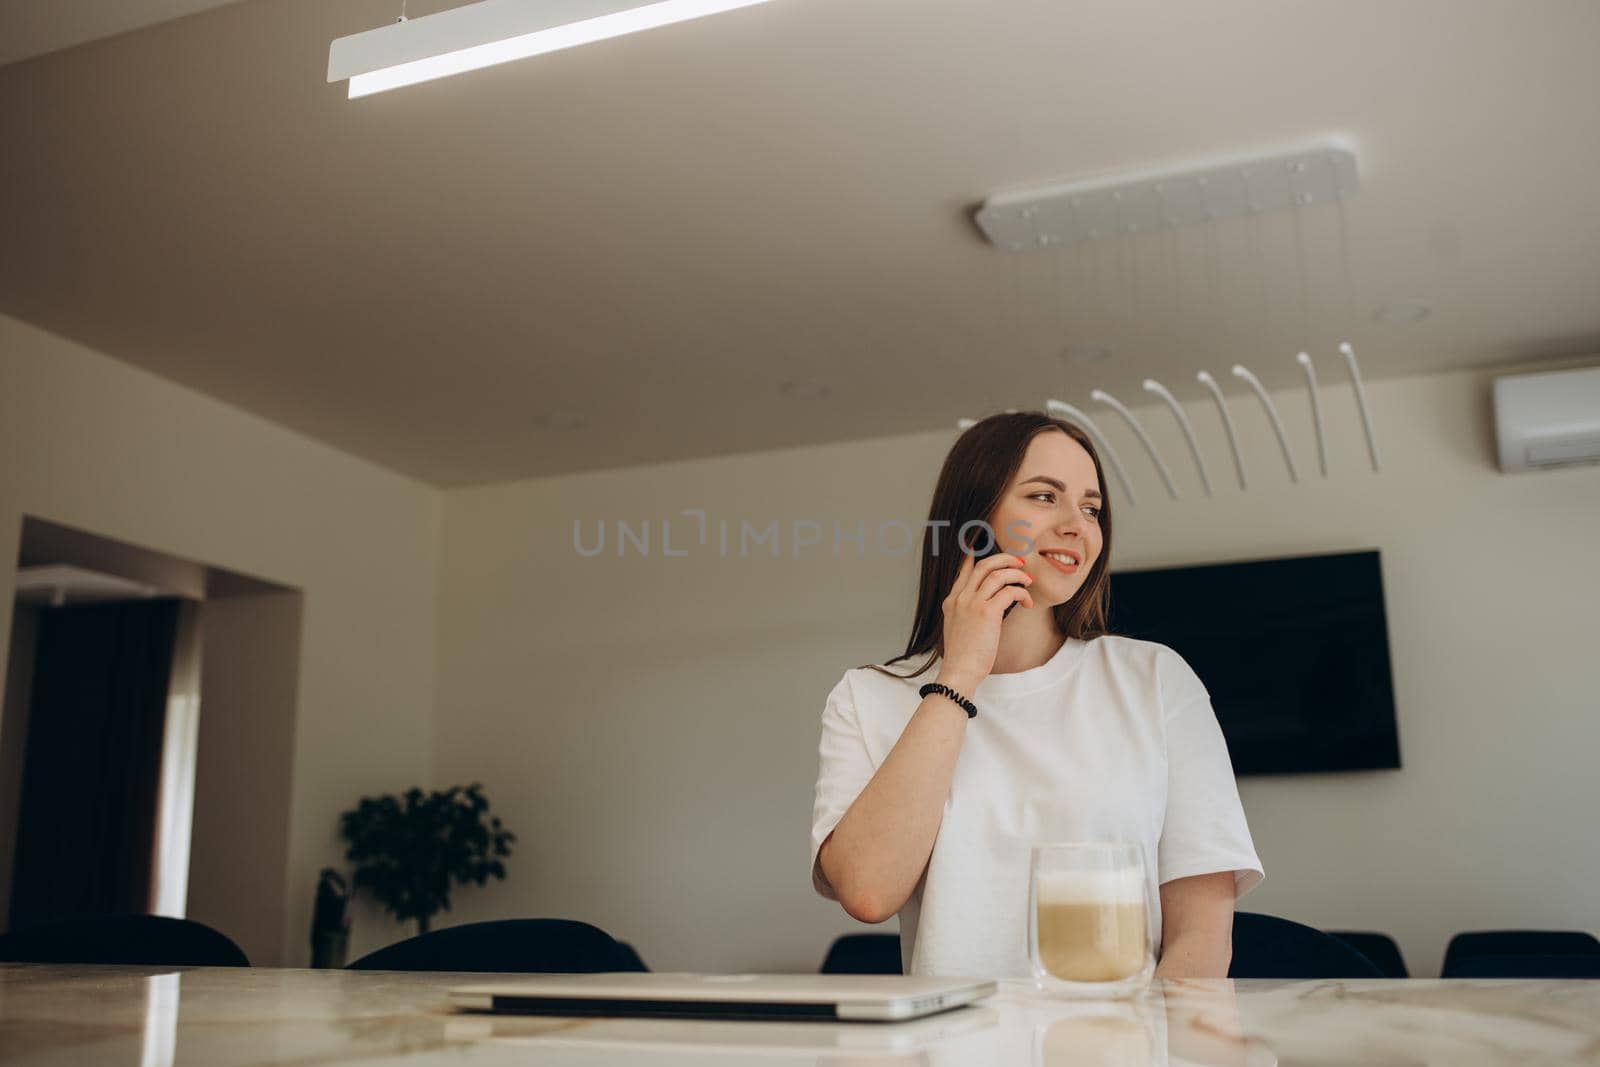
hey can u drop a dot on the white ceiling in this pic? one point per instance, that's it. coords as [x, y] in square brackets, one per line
[39, 27]
[655, 234]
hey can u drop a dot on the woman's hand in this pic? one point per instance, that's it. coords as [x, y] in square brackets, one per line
[977, 602]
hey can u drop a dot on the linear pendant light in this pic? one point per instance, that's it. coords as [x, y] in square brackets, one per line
[495, 31]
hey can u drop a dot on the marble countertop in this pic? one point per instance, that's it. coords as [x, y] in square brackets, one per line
[220, 1017]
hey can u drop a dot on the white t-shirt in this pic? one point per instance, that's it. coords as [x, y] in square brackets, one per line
[1110, 739]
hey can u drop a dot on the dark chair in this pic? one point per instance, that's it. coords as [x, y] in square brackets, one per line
[633, 958]
[1379, 948]
[1265, 946]
[863, 954]
[508, 946]
[1586, 965]
[136, 940]
[1467, 946]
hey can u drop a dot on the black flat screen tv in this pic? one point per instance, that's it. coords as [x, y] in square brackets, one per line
[1294, 652]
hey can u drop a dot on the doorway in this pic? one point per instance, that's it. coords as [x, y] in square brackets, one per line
[146, 741]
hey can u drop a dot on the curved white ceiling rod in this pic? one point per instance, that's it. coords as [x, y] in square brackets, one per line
[1153, 386]
[1349, 354]
[1116, 405]
[1205, 379]
[1272, 413]
[1304, 359]
[1078, 418]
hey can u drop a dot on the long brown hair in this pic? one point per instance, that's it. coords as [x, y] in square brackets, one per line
[980, 465]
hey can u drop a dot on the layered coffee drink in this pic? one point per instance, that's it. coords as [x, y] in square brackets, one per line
[1091, 925]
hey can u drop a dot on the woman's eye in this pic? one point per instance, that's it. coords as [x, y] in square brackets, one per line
[1050, 498]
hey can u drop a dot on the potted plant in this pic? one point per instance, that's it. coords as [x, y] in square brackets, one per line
[410, 850]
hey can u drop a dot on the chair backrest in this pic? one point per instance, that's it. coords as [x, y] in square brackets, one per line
[863, 954]
[635, 962]
[135, 940]
[1265, 946]
[1585, 965]
[1379, 948]
[507, 946]
[1477, 943]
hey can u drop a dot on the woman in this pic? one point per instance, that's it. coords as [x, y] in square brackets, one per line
[925, 812]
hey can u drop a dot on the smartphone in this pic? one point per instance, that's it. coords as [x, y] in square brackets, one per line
[994, 549]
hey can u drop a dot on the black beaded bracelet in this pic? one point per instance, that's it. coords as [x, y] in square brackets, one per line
[945, 690]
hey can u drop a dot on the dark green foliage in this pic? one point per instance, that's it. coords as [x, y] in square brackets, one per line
[409, 849]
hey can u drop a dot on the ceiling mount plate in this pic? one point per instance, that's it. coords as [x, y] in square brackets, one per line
[1129, 204]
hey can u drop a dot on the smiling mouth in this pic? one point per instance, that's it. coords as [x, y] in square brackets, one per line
[1062, 564]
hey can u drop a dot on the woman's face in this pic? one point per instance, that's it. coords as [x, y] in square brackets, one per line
[1054, 500]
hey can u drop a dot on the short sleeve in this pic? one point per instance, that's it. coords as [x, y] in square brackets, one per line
[844, 769]
[1204, 829]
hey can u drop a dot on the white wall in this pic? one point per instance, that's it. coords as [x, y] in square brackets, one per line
[250, 673]
[649, 725]
[95, 444]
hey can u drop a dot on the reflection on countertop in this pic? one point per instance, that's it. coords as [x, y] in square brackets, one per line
[225, 1017]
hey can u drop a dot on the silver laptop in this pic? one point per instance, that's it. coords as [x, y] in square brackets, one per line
[882, 998]
[710, 1042]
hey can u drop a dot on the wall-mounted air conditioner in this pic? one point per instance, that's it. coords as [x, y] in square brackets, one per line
[1548, 420]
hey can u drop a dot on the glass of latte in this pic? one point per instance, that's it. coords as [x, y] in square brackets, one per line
[1088, 924]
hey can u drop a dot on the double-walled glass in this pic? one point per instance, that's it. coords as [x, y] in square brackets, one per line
[1089, 922]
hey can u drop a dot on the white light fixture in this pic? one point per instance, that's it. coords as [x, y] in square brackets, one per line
[57, 584]
[1156, 199]
[495, 31]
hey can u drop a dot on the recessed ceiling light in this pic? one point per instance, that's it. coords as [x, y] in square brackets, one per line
[559, 420]
[1086, 353]
[804, 390]
[1400, 314]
